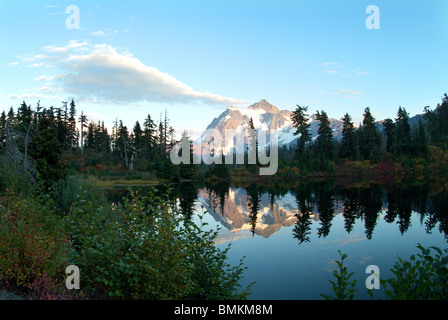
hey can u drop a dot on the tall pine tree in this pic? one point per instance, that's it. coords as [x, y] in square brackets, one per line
[300, 121]
[370, 138]
[402, 133]
[324, 139]
[348, 149]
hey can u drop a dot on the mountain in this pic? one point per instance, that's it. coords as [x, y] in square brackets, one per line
[265, 116]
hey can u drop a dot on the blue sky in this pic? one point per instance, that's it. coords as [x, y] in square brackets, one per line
[196, 58]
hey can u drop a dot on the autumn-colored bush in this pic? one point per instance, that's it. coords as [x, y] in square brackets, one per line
[44, 288]
[32, 241]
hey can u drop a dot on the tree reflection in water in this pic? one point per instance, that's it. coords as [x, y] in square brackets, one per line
[313, 202]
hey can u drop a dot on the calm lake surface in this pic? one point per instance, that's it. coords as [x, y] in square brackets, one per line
[290, 235]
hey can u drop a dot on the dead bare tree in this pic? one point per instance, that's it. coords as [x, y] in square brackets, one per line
[26, 162]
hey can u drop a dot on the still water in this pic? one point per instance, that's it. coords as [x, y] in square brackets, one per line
[289, 236]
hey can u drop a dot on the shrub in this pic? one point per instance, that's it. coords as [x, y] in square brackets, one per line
[67, 191]
[343, 288]
[13, 177]
[422, 277]
[32, 241]
[145, 250]
[44, 288]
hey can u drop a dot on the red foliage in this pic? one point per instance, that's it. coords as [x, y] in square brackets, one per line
[44, 288]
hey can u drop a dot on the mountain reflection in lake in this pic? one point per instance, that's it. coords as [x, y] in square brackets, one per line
[290, 235]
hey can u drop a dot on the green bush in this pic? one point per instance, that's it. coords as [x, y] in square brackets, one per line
[32, 242]
[343, 288]
[423, 277]
[13, 177]
[67, 191]
[145, 250]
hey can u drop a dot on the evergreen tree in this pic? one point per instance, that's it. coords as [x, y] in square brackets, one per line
[437, 122]
[61, 127]
[251, 145]
[11, 117]
[421, 141]
[24, 117]
[348, 137]
[123, 140]
[137, 139]
[324, 139]
[389, 128]
[105, 140]
[2, 132]
[46, 150]
[442, 120]
[161, 140]
[91, 132]
[149, 137]
[371, 142]
[72, 136]
[300, 122]
[402, 132]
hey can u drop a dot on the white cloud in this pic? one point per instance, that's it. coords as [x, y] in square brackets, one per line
[48, 89]
[36, 96]
[100, 72]
[104, 33]
[41, 78]
[72, 45]
[98, 33]
[349, 94]
[36, 65]
[330, 63]
[331, 67]
[360, 71]
[13, 64]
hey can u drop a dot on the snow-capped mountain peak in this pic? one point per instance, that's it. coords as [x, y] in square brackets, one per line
[265, 116]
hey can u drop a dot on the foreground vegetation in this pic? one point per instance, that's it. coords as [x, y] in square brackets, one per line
[424, 276]
[141, 249]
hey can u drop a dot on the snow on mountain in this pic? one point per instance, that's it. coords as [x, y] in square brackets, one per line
[265, 117]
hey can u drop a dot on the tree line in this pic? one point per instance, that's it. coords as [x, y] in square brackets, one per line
[38, 138]
[398, 139]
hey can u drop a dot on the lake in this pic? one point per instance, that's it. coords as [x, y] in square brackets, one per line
[290, 234]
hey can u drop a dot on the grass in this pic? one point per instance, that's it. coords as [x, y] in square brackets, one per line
[112, 183]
